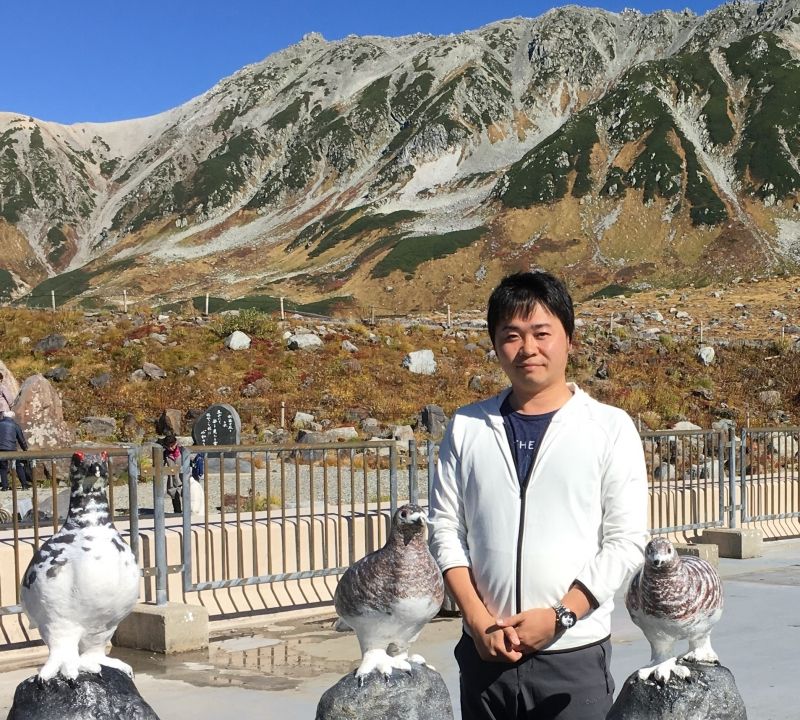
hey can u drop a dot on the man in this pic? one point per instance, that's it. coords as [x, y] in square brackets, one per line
[538, 515]
[176, 456]
[11, 435]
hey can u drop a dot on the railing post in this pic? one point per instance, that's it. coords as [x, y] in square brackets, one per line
[731, 476]
[431, 447]
[413, 488]
[186, 534]
[743, 474]
[159, 528]
[393, 477]
[133, 499]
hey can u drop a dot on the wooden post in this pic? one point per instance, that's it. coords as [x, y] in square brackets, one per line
[125, 301]
[448, 316]
[283, 413]
[783, 327]
[612, 324]
[206, 304]
[372, 315]
[53, 299]
[283, 315]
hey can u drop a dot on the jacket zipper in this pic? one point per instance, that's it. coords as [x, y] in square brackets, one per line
[523, 496]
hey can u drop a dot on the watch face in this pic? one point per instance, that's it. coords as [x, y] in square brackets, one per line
[568, 620]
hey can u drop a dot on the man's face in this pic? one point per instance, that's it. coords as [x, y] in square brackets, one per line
[533, 350]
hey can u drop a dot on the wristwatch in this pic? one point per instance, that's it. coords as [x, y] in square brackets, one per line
[565, 618]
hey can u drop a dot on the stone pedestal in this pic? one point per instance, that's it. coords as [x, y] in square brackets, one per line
[418, 695]
[106, 696]
[738, 543]
[170, 628]
[709, 693]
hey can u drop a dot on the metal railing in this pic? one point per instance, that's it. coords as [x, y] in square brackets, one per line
[276, 513]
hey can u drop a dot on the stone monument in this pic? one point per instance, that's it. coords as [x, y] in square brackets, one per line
[218, 425]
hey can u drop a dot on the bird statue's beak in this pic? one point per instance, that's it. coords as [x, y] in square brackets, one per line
[417, 517]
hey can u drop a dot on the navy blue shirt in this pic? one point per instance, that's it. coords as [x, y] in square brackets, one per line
[525, 434]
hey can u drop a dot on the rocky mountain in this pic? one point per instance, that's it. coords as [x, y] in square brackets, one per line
[617, 149]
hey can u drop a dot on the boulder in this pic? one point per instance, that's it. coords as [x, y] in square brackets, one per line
[131, 430]
[709, 693]
[237, 340]
[57, 374]
[169, 422]
[98, 426]
[100, 381]
[418, 695]
[50, 344]
[109, 694]
[9, 381]
[347, 346]
[152, 371]
[138, 376]
[351, 365]
[342, 434]
[40, 414]
[475, 384]
[402, 433]
[770, 398]
[433, 419]
[311, 437]
[706, 355]
[420, 362]
[306, 341]
[303, 421]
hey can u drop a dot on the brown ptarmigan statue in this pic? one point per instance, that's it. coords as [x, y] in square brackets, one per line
[674, 598]
[388, 596]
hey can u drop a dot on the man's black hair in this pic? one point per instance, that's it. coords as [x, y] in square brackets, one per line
[520, 293]
[169, 438]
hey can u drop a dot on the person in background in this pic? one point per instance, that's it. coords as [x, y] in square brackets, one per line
[538, 515]
[11, 436]
[176, 457]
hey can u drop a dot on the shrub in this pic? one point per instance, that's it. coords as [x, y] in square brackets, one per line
[250, 321]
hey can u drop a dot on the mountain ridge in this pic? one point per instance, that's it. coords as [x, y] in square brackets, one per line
[517, 144]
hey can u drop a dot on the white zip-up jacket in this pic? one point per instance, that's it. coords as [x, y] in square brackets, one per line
[582, 514]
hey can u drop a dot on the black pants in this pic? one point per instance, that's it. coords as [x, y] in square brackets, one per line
[572, 685]
[23, 473]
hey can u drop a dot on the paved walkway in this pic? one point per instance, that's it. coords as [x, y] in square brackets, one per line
[282, 666]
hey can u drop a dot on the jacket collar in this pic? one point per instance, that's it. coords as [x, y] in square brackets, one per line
[579, 399]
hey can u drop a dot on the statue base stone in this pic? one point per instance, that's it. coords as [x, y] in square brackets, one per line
[106, 696]
[709, 693]
[418, 695]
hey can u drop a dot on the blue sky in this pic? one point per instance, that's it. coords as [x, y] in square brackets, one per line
[99, 60]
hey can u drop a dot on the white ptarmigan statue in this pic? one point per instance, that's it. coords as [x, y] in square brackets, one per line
[674, 598]
[83, 581]
[388, 596]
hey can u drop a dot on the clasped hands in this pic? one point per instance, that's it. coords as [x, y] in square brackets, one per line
[508, 639]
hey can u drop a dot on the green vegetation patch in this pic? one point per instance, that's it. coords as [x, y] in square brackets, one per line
[410, 252]
[409, 98]
[364, 224]
[58, 245]
[290, 114]
[7, 285]
[541, 175]
[107, 167]
[37, 143]
[771, 132]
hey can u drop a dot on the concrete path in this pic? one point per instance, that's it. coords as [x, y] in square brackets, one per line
[280, 667]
